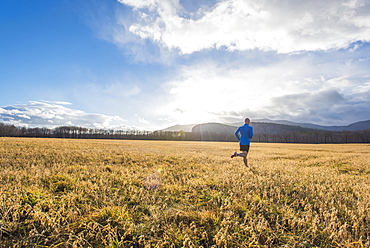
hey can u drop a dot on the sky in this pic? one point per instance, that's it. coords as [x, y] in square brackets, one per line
[152, 64]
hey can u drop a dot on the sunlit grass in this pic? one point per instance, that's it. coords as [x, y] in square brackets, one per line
[109, 193]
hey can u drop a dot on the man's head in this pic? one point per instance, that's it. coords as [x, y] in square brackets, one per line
[247, 121]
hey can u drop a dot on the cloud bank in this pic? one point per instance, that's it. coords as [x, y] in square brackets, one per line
[55, 114]
[306, 92]
[239, 25]
[295, 60]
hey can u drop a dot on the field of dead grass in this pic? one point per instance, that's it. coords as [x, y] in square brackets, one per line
[119, 193]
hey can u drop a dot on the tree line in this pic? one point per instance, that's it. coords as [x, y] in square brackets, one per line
[73, 132]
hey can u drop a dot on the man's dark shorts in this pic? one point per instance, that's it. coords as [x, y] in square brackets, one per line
[244, 148]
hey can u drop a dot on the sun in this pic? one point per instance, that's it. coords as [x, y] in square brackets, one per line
[194, 115]
[206, 95]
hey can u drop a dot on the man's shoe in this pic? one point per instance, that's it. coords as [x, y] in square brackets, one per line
[234, 155]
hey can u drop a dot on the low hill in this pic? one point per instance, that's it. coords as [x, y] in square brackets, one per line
[214, 128]
[185, 128]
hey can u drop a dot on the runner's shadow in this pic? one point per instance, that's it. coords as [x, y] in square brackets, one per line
[253, 170]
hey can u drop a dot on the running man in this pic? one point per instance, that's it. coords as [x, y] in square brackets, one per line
[244, 135]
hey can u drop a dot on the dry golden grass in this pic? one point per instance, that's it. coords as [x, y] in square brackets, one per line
[109, 193]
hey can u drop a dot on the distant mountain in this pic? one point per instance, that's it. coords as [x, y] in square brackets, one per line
[268, 126]
[361, 125]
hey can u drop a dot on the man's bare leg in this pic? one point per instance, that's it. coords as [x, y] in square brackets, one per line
[244, 155]
[245, 161]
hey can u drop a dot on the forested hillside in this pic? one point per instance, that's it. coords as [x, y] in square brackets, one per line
[263, 132]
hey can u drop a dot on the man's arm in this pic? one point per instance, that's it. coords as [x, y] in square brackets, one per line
[251, 133]
[237, 134]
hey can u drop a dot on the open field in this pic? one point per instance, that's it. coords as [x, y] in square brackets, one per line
[119, 193]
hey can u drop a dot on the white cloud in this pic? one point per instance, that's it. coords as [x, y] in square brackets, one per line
[56, 102]
[285, 27]
[141, 119]
[53, 114]
[24, 116]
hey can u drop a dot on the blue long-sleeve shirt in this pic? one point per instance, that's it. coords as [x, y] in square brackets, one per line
[244, 134]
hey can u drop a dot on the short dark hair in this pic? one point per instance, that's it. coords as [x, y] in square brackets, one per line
[246, 119]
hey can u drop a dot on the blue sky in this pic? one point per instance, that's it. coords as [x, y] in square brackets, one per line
[151, 64]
